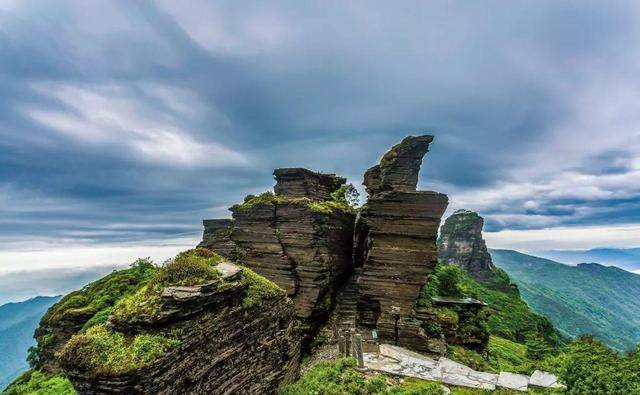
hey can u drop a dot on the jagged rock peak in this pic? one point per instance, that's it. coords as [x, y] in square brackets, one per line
[399, 167]
[303, 183]
[461, 244]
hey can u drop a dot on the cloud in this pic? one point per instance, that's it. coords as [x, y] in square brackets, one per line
[132, 121]
[108, 115]
[559, 238]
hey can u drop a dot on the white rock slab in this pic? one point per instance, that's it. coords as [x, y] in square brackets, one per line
[228, 269]
[406, 356]
[449, 366]
[462, 380]
[542, 379]
[513, 381]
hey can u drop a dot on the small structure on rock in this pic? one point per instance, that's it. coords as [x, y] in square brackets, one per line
[461, 244]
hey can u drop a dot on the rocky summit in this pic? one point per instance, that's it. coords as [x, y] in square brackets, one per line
[395, 243]
[370, 265]
[461, 244]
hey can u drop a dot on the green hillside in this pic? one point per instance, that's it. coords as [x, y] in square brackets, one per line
[583, 299]
[18, 321]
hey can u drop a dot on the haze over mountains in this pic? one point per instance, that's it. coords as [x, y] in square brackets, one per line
[626, 258]
[17, 324]
[585, 299]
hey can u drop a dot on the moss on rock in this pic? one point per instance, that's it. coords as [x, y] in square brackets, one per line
[102, 351]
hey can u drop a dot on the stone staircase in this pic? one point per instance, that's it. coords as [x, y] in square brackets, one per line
[347, 302]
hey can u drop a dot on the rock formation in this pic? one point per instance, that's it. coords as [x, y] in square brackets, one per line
[300, 238]
[234, 334]
[217, 237]
[395, 244]
[461, 244]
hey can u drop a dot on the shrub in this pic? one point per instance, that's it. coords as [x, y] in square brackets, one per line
[188, 269]
[589, 367]
[36, 382]
[346, 195]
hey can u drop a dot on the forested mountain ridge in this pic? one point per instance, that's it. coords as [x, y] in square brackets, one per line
[585, 299]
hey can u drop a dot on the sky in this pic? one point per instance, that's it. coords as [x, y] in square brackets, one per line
[124, 123]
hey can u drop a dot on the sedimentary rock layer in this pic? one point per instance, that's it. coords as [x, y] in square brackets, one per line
[306, 252]
[226, 348]
[395, 243]
[295, 238]
[299, 182]
[216, 237]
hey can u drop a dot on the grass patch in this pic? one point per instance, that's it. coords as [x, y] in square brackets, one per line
[339, 377]
[101, 294]
[258, 289]
[343, 199]
[188, 268]
[102, 351]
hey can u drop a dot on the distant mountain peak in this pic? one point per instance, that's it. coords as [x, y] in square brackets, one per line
[461, 244]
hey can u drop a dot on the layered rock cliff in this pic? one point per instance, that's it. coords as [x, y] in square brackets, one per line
[461, 244]
[196, 325]
[395, 244]
[300, 238]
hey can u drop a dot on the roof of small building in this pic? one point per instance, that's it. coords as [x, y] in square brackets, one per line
[454, 300]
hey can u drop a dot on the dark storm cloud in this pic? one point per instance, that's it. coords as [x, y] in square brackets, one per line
[132, 120]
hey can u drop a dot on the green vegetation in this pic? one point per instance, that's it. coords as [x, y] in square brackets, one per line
[100, 350]
[510, 317]
[187, 268]
[346, 195]
[589, 367]
[343, 199]
[504, 356]
[35, 382]
[258, 289]
[584, 299]
[94, 300]
[340, 378]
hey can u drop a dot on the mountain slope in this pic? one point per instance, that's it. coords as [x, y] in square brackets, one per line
[583, 299]
[18, 321]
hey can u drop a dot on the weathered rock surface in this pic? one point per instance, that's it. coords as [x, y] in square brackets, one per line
[513, 381]
[402, 362]
[304, 248]
[399, 168]
[217, 237]
[226, 347]
[304, 183]
[395, 244]
[461, 244]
